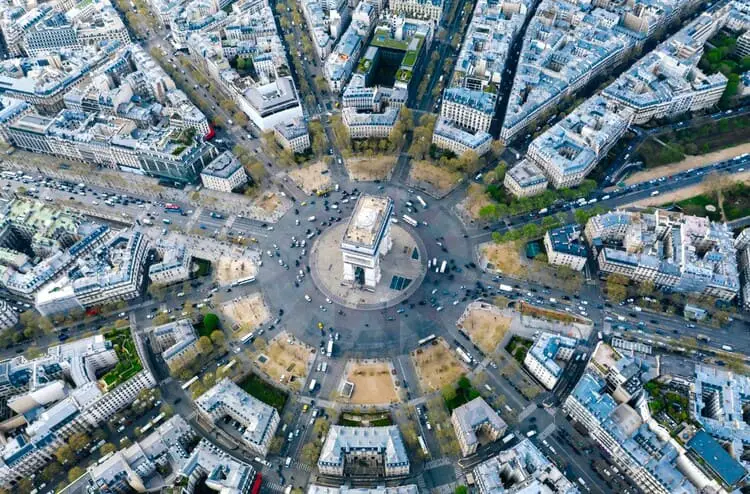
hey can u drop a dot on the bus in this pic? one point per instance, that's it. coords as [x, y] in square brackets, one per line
[146, 428]
[312, 385]
[423, 446]
[244, 281]
[421, 201]
[9, 175]
[247, 337]
[410, 220]
[189, 382]
[465, 356]
[157, 419]
[443, 266]
[426, 340]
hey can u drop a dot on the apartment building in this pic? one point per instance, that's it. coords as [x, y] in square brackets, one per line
[468, 109]
[174, 264]
[544, 358]
[8, 315]
[420, 9]
[682, 253]
[258, 421]
[176, 342]
[473, 418]
[448, 136]
[565, 247]
[293, 135]
[377, 451]
[225, 173]
[525, 179]
[362, 125]
[218, 470]
[667, 82]
[521, 469]
[342, 61]
[570, 149]
[326, 21]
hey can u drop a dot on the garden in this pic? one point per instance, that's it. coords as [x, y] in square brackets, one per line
[257, 387]
[128, 365]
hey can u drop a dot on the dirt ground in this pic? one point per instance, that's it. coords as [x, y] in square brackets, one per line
[439, 178]
[269, 202]
[485, 325]
[687, 163]
[370, 169]
[310, 178]
[475, 200]
[247, 313]
[436, 366]
[508, 259]
[687, 192]
[288, 359]
[373, 383]
[229, 269]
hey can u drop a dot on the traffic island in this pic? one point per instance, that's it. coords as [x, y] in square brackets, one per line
[286, 360]
[437, 366]
[369, 382]
[485, 325]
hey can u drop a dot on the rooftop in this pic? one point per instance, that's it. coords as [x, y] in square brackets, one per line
[223, 166]
[368, 222]
[383, 440]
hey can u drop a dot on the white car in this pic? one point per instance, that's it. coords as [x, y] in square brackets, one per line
[307, 297]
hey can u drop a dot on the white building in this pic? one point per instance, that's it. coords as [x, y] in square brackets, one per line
[174, 266]
[565, 247]
[469, 109]
[453, 138]
[8, 316]
[473, 418]
[176, 342]
[542, 359]
[420, 9]
[293, 135]
[525, 179]
[378, 450]
[225, 173]
[367, 239]
[258, 420]
[521, 469]
[218, 470]
[271, 104]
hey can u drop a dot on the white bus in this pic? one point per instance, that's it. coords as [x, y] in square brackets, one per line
[443, 266]
[462, 353]
[423, 446]
[426, 340]
[247, 337]
[189, 382]
[244, 281]
[312, 385]
[421, 201]
[410, 220]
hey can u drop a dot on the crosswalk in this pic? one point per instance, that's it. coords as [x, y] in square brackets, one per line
[302, 466]
[271, 487]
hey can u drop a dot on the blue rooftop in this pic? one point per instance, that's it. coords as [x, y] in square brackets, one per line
[721, 462]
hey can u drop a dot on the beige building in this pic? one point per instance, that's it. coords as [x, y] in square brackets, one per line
[565, 247]
[225, 173]
[367, 239]
[476, 417]
[525, 179]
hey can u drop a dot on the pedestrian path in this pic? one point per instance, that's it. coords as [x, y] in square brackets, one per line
[302, 466]
[191, 222]
[271, 487]
[547, 431]
[526, 412]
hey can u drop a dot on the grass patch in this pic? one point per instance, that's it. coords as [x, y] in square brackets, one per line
[549, 314]
[204, 266]
[365, 420]
[435, 176]
[736, 201]
[463, 393]
[654, 154]
[663, 399]
[128, 365]
[696, 206]
[263, 391]
[519, 347]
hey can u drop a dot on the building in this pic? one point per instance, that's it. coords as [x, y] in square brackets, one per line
[49, 411]
[137, 467]
[366, 240]
[218, 470]
[609, 402]
[542, 359]
[293, 135]
[742, 48]
[174, 264]
[707, 452]
[176, 342]
[525, 179]
[326, 21]
[742, 244]
[225, 173]
[469, 109]
[8, 315]
[565, 247]
[472, 418]
[271, 104]
[676, 252]
[459, 141]
[667, 82]
[373, 451]
[521, 469]
[257, 420]
[571, 148]
[365, 125]
[717, 401]
[342, 61]
[421, 9]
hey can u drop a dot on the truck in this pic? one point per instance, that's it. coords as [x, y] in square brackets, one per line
[410, 220]
[506, 288]
[313, 383]
[329, 348]
[324, 367]
[422, 445]
[421, 201]
[508, 438]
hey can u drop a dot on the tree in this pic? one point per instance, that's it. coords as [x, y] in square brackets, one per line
[25, 485]
[217, 338]
[209, 379]
[497, 148]
[276, 444]
[107, 448]
[449, 392]
[461, 489]
[74, 473]
[79, 441]
[204, 345]
[310, 453]
[616, 292]
[646, 288]
[64, 454]
[52, 470]
[210, 322]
